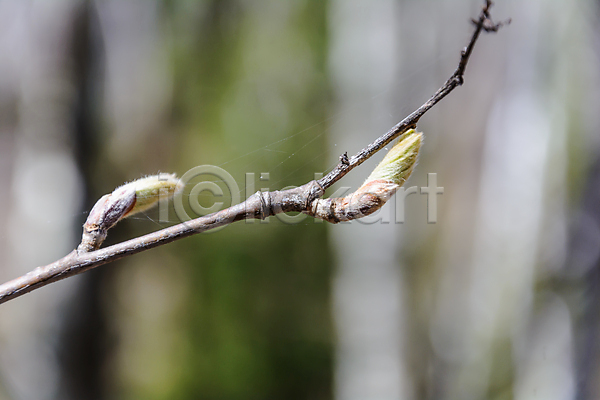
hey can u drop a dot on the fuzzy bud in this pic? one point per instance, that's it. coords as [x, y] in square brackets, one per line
[150, 189]
[386, 178]
[398, 163]
[126, 200]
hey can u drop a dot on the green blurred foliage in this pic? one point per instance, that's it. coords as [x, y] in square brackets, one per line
[248, 79]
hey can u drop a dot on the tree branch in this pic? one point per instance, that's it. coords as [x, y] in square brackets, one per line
[484, 23]
[305, 198]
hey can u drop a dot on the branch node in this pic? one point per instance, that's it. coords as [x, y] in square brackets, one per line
[315, 191]
[344, 159]
[265, 204]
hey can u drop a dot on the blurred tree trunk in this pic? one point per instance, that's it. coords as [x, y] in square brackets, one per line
[40, 81]
[582, 267]
[583, 272]
[367, 286]
[495, 319]
[82, 340]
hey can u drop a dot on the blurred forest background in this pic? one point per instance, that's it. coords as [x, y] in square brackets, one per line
[499, 299]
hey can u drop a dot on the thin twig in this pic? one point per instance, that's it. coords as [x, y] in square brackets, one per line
[483, 23]
[259, 206]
